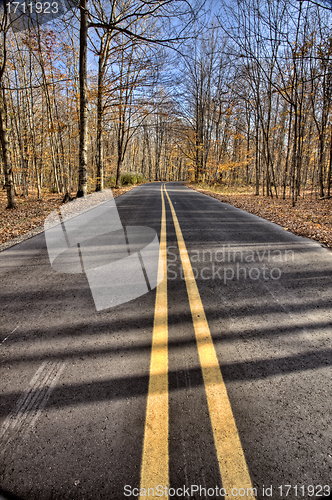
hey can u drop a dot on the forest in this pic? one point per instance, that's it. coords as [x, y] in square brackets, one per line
[234, 92]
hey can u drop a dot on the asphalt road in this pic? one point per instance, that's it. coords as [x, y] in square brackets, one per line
[75, 381]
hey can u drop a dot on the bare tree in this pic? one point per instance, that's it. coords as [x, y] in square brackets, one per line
[122, 17]
[4, 27]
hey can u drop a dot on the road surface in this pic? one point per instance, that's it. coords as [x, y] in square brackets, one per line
[216, 384]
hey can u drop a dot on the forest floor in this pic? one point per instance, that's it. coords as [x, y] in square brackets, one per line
[29, 216]
[311, 217]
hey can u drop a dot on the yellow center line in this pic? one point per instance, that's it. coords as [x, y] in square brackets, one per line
[155, 470]
[232, 464]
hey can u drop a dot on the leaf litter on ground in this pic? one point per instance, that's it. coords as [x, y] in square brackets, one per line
[28, 218]
[311, 218]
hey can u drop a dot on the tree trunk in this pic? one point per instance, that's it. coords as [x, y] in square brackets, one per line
[257, 169]
[118, 172]
[83, 154]
[329, 175]
[100, 165]
[320, 164]
[7, 168]
[103, 57]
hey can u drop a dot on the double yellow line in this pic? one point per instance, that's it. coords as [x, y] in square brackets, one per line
[154, 470]
[155, 467]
